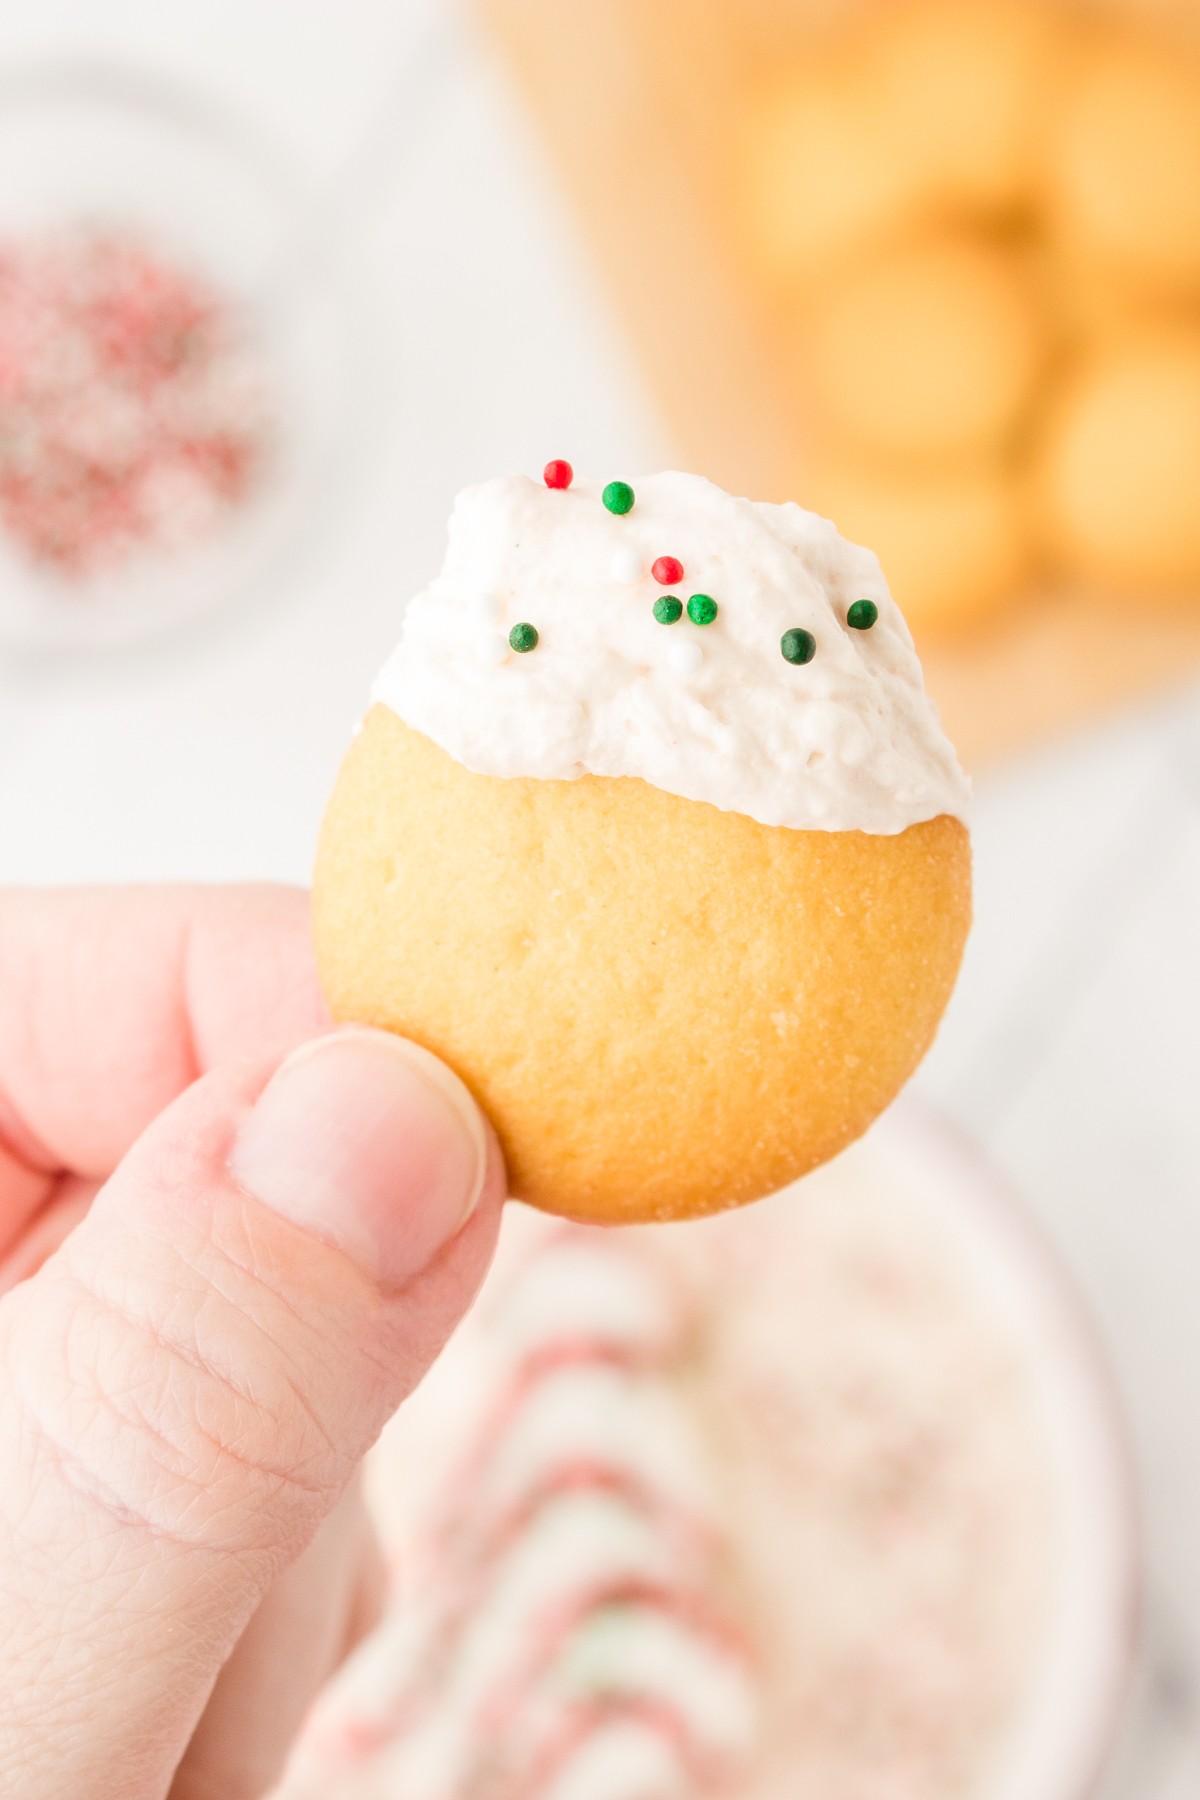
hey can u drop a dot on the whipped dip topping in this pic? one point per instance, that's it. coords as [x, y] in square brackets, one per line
[715, 711]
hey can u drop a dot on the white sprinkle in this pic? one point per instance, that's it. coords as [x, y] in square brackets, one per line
[486, 609]
[627, 565]
[685, 655]
[492, 648]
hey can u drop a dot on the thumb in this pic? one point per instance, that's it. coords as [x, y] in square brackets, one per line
[188, 1384]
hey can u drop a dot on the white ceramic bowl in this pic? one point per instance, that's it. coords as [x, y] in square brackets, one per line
[1061, 1739]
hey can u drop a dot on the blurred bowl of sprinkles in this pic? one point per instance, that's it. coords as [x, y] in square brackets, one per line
[175, 376]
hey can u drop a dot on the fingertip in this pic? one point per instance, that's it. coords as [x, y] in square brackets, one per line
[370, 1143]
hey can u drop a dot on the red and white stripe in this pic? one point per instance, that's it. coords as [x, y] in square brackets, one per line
[568, 1635]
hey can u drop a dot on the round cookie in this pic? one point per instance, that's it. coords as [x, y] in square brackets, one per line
[816, 175]
[1097, 305]
[664, 1008]
[928, 350]
[1119, 470]
[684, 923]
[964, 87]
[1123, 177]
[955, 543]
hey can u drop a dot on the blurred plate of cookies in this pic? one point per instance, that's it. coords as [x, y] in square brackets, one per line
[933, 268]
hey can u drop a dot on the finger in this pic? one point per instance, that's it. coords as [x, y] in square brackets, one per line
[289, 1649]
[368, 1600]
[115, 999]
[193, 1377]
[67, 1203]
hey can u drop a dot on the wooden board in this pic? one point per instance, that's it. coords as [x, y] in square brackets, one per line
[617, 88]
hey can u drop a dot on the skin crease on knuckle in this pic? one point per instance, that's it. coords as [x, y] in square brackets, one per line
[182, 1396]
[133, 1368]
[190, 1380]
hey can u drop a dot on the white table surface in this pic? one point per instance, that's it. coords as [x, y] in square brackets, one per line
[1071, 1052]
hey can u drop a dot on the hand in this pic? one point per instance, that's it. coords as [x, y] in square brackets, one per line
[228, 1259]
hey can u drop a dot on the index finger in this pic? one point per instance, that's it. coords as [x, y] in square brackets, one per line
[113, 1000]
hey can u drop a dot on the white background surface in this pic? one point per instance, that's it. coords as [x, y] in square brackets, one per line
[1072, 1049]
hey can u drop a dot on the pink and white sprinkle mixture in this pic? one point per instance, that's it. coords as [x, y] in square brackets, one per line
[134, 410]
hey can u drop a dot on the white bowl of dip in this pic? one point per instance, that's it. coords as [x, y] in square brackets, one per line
[923, 1469]
[1060, 1738]
[929, 1310]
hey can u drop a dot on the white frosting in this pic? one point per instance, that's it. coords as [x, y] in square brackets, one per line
[597, 1412]
[596, 1293]
[625, 1756]
[848, 741]
[645, 1653]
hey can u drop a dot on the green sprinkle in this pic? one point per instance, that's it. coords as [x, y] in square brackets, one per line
[702, 609]
[522, 638]
[667, 609]
[798, 646]
[861, 615]
[618, 497]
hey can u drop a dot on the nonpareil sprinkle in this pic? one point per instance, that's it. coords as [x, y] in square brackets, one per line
[523, 637]
[798, 646]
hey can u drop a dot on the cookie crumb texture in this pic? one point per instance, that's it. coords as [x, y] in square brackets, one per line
[666, 1009]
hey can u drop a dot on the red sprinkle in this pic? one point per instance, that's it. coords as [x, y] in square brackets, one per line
[667, 570]
[558, 474]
